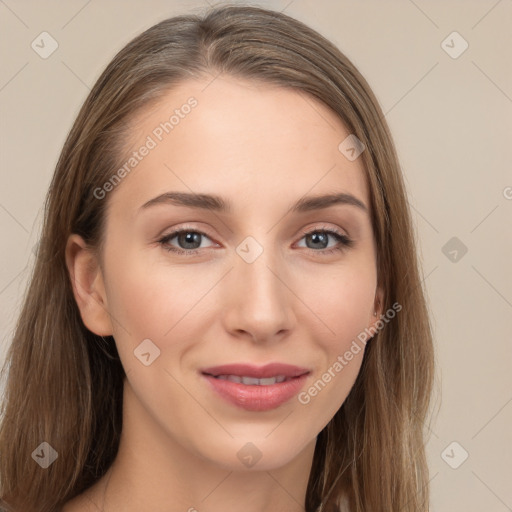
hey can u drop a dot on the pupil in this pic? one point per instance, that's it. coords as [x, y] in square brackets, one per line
[191, 238]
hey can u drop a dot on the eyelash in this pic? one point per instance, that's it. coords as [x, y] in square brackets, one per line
[344, 241]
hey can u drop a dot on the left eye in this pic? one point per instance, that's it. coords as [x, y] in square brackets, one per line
[321, 237]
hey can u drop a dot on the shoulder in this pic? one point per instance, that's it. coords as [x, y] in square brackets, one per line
[88, 501]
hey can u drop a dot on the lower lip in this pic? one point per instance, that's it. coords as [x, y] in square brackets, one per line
[257, 398]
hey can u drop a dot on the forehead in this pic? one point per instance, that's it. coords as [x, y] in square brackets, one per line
[241, 139]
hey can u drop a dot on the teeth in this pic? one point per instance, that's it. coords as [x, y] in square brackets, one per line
[252, 381]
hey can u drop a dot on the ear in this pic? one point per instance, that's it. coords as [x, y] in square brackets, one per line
[88, 287]
[378, 307]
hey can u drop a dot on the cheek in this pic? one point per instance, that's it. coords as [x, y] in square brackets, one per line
[341, 303]
[341, 300]
[154, 300]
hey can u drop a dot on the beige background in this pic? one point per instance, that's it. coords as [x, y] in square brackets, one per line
[451, 119]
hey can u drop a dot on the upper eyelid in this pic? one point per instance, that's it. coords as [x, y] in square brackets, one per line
[303, 231]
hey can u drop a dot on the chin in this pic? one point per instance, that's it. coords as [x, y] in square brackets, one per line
[259, 454]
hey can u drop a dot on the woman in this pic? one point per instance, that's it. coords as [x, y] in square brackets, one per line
[226, 310]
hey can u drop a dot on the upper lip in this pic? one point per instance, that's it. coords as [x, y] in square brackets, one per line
[258, 372]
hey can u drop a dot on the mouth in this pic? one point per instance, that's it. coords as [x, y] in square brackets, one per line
[253, 381]
[256, 388]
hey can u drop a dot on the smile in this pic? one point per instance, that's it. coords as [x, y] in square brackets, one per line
[252, 381]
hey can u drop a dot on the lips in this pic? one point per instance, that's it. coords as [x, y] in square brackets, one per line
[256, 388]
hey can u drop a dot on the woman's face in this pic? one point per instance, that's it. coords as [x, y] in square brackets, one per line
[256, 282]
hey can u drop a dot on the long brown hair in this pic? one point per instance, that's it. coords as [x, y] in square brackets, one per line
[65, 383]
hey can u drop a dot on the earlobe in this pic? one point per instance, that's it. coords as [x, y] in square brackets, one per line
[379, 302]
[377, 307]
[88, 288]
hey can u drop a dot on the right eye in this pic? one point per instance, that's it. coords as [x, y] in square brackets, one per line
[185, 237]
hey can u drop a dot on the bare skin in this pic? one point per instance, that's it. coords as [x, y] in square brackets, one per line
[261, 148]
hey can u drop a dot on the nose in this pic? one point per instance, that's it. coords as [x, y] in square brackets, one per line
[258, 303]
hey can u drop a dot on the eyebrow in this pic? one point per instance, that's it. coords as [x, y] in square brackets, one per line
[216, 203]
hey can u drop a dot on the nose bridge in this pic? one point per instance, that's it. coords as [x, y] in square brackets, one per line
[259, 301]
